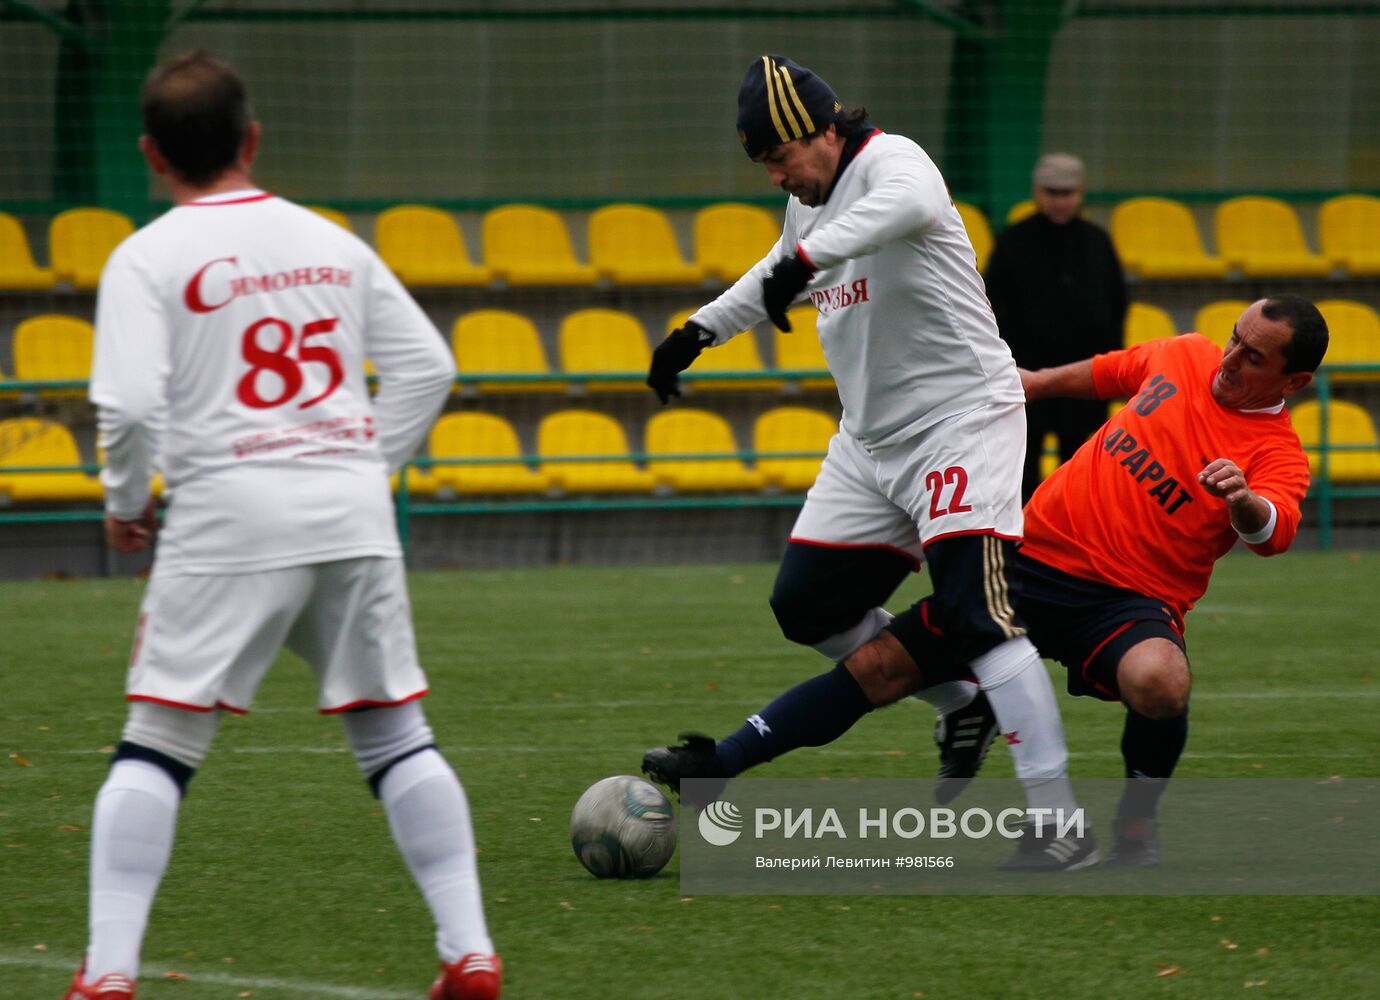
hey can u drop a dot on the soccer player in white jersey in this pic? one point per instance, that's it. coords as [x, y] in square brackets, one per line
[927, 460]
[231, 335]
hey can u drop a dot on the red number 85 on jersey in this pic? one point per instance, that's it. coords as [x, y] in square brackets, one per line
[279, 360]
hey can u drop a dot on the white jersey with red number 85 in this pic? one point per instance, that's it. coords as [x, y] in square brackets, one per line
[231, 335]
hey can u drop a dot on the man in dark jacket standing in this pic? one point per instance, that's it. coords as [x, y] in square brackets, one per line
[1056, 287]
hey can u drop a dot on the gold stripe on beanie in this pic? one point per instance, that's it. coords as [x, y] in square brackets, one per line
[767, 67]
[789, 86]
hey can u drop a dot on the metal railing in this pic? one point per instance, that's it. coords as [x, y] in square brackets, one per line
[1322, 490]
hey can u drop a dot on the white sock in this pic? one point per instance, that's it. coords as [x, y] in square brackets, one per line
[131, 840]
[844, 644]
[948, 697]
[1022, 697]
[430, 818]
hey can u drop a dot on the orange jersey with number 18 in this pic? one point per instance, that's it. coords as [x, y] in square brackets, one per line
[1127, 509]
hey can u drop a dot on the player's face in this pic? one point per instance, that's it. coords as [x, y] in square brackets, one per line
[805, 167]
[1058, 205]
[1251, 375]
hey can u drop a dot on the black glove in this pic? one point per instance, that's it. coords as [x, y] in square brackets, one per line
[673, 355]
[781, 286]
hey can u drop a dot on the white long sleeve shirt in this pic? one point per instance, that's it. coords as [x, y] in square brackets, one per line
[903, 317]
[231, 335]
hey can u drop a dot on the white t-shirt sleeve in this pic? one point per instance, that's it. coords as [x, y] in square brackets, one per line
[905, 194]
[414, 365]
[129, 384]
[740, 307]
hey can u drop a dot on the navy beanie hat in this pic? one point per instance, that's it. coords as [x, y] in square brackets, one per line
[781, 101]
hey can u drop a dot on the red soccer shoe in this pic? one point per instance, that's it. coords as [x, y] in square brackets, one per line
[474, 977]
[111, 986]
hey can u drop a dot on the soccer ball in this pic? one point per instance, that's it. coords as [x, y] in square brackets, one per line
[623, 827]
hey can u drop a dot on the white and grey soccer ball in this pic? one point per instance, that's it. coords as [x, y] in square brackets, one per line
[623, 827]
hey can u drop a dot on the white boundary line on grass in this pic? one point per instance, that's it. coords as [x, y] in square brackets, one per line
[294, 987]
[827, 751]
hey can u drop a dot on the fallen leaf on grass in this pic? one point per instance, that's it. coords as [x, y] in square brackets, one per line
[1262, 952]
[179, 976]
[40, 947]
[1167, 970]
[21, 761]
[68, 828]
[1229, 945]
[1254, 982]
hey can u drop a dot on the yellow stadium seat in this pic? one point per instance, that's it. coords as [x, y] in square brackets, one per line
[424, 248]
[1217, 320]
[792, 429]
[1145, 323]
[1020, 211]
[53, 347]
[80, 240]
[1347, 424]
[730, 238]
[979, 232]
[1262, 238]
[602, 341]
[481, 435]
[800, 350]
[527, 245]
[1353, 330]
[697, 432]
[29, 441]
[1049, 455]
[335, 215]
[495, 340]
[579, 433]
[17, 269]
[1349, 232]
[737, 355]
[635, 245]
[1157, 238]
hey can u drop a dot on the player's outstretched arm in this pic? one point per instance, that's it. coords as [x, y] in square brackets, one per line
[1073, 380]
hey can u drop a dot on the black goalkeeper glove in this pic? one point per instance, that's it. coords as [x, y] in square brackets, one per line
[673, 355]
[781, 286]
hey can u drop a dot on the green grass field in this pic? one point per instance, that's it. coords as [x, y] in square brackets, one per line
[284, 882]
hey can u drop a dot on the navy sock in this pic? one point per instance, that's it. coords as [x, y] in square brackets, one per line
[810, 714]
[1151, 749]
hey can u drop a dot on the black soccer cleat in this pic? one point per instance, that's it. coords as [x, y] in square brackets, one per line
[1135, 844]
[694, 758]
[1048, 853]
[963, 738]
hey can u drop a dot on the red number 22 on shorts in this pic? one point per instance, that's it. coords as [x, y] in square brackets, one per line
[955, 476]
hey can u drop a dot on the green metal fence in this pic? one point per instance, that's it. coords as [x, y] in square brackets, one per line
[1324, 491]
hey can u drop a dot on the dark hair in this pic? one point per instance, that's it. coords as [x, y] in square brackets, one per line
[197, 114]
[1305, 349]
[850, 120]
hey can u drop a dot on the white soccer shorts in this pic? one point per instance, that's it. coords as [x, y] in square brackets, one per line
[961, 476]
[205, 642]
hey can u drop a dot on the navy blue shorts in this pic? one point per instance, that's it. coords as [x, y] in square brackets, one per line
[1087, 626]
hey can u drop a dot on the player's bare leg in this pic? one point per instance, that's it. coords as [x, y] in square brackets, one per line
[1155, 679]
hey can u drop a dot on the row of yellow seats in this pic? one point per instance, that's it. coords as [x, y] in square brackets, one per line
[688, 451]
[496, 341]
[522, 245]
[1255, 236]
[1353, 329]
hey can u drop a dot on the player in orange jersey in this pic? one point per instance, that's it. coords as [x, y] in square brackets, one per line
[1121, 540]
